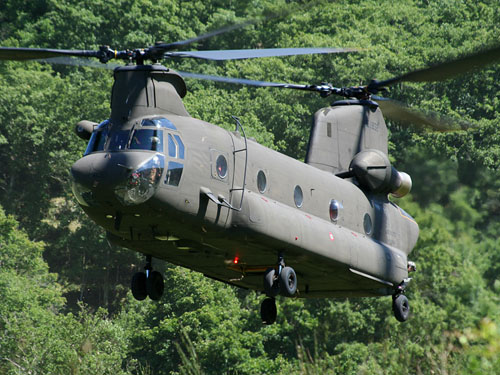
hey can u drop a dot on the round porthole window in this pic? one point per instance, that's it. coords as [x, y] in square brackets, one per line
[335, 207]
[261, 181]
[298, 197]
[367, 224]
[221, 166]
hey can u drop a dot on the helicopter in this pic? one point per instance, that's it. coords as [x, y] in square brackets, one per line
[173, 187]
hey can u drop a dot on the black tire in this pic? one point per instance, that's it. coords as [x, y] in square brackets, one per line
[271, 286]
[155, 285]
[288, 282]
[268, 311]
[401, 308]
[138, 286]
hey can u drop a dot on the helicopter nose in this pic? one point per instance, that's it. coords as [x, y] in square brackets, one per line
[124, 178]
[97, 171]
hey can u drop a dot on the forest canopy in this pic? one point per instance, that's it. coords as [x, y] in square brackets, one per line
[65, 304]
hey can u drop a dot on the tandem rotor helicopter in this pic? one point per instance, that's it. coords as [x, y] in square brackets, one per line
[189, 192]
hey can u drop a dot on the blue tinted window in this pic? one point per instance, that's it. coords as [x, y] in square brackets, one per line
[172, 148]
[159, 122]
[98, 138]
[147, 139]
[118, 140]
[181, 146]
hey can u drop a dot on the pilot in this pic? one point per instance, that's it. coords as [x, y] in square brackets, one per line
[153, 174]
[155, 141]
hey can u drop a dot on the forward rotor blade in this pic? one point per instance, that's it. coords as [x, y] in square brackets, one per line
[76, 61]
[400, 112]
[13, 53]
[443, 71]
[242, 81]
[236, 54]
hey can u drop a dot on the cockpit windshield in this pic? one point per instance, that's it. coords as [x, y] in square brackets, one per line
[147, 136]
[147, 139]
[98, 138]
[159, 122]
[118, 140]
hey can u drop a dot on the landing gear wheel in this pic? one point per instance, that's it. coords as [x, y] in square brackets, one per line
[401, 307]
[154, 285]
[271, 286]
[268, 311]
[139, 286]
[288, 282]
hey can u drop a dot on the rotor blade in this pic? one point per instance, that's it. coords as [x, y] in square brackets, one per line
[400, 112]
[443, 71]
[236, 54]
[75, 61]
[242, 81]
[14, 53]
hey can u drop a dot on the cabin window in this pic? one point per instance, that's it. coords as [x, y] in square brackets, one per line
[298, 197]
[147, 139]
[221, 166]
[174, 173]
[335, 207]
[261, 181]
[367, 224]
[159, 122]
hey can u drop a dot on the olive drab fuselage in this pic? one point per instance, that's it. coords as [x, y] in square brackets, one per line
[180, 189]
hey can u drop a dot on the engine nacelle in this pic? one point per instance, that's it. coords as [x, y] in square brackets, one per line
[85, 128]
[374, 172]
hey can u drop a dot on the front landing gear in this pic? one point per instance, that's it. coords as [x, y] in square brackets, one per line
[400, 304]
[149, 283]
[281, 281]
[400, 307]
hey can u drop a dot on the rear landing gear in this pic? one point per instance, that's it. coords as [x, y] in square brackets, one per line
[149, 283]
[281, 281]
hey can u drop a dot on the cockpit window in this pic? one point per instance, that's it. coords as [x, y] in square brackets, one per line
[181, 146]
[174, 173]
[172, 148]
[118, 140]
[98, 138]
[147, 139]
[159, 122]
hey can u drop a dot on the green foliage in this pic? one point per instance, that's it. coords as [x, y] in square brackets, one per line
[36, 336]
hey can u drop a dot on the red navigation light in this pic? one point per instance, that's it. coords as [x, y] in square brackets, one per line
[236, 260]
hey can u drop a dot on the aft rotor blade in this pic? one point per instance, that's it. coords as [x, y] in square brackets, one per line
[446, 70]
[237, 54]
[13, 53]
[400, 112]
